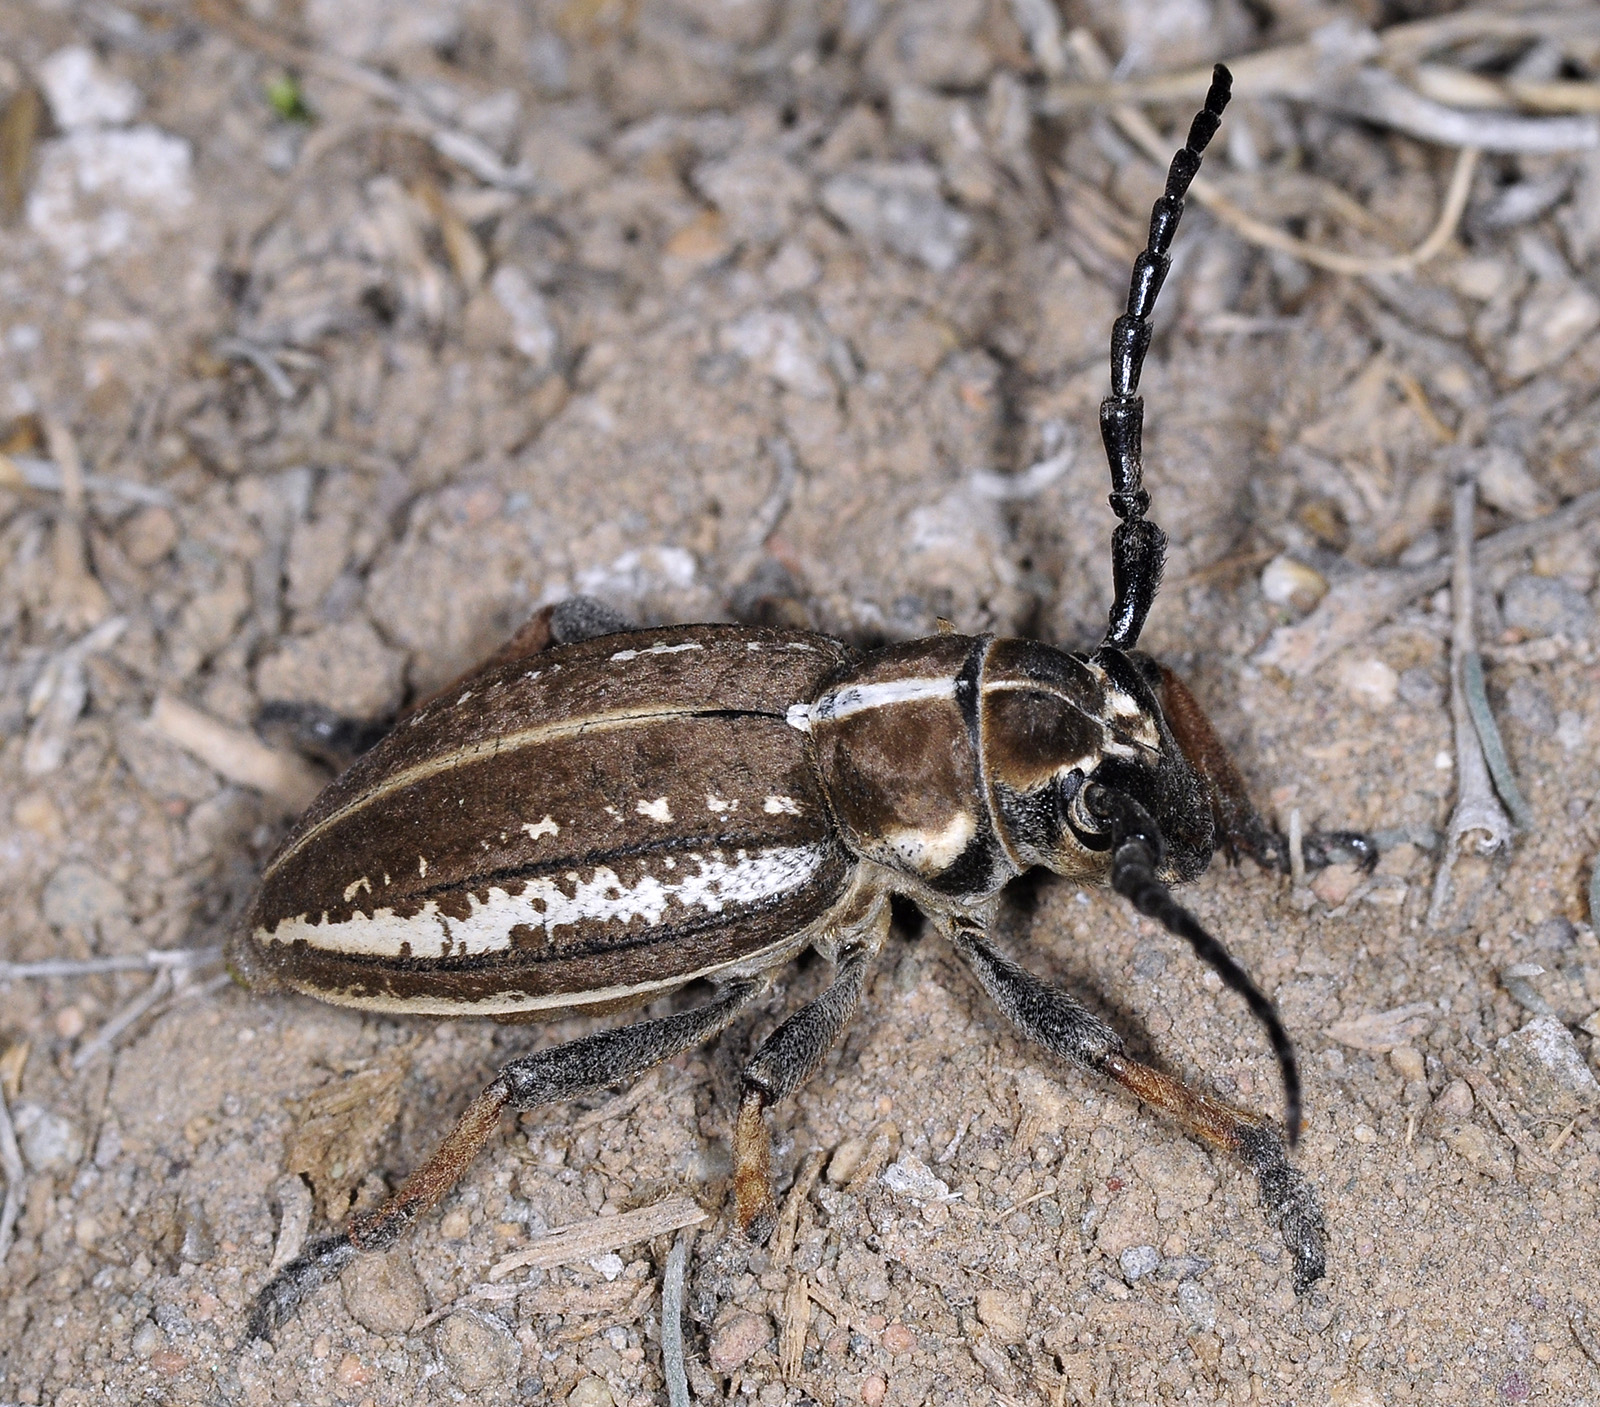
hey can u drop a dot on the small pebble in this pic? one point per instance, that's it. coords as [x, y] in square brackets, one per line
[590, 1392]
[899, 1339]
[1542, 605]
[1407, 1062]
[383, 1292]
[1371, 683]
[738, 1340]
[1544, 1070]
[1455, 1100]
[1198, 1306]
[1138, 1261]
[50, 1142]
[1335, 884]
[1286, 582]
[477, 1349]
[1006, 1313]
[147, 1338]
[874, 1390]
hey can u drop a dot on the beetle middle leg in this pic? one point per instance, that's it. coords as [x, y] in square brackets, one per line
[545, 1077]
[1054, 1020]
[789, 1057]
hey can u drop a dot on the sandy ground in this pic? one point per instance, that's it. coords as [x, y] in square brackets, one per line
[748, 310]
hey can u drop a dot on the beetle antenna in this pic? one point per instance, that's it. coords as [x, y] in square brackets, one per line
[1138, 546]
[1136, 852]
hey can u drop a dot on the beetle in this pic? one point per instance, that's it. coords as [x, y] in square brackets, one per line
[597, 817]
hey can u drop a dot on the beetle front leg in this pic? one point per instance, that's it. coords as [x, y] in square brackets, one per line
[1054, 1020]
[545, 1077]
[789, 1057]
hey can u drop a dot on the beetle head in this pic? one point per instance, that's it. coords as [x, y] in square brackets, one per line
[1058, 725]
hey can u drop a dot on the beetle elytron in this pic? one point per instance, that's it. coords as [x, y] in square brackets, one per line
[597, 817]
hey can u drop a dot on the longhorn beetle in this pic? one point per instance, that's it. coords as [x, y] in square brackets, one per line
[597, 817]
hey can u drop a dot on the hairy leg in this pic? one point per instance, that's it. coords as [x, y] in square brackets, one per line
[545, 1077]
[788, 1058]
[1054, 1020]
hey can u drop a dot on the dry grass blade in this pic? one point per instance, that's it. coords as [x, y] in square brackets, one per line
[239, 756]
[15, 1175]
[1361, 82]
[1478, 810]
[19, 131]
[156, 959]
[1139, 130]
[672, 1286]
[584, 1240]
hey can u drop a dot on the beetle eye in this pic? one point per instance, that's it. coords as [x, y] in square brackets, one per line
[1075, 815]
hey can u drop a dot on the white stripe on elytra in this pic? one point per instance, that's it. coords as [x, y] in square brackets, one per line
[748, 878]
[859, 698]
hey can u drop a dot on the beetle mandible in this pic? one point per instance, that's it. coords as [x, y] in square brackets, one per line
[597, 817]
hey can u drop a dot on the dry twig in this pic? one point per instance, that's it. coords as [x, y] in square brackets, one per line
[156, 959]
[1352, 72]
[239, 756]
[1478, 810]
[1356, 606]
[1139, 130]
[672, 1286]
[584, 1240]
[15, 1175]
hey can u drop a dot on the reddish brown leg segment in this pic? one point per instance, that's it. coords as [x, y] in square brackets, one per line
[1060, 1024]
[545, 1077]
[788, 1058]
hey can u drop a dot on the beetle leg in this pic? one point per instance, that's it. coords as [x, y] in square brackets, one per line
[1056, 1021]
[545, 1077]
[788, 1058]
[1240, 828]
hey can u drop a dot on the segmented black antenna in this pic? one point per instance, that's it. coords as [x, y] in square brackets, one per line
[1138, 546]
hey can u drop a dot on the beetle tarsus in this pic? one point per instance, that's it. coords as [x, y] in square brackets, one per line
[282, 1295]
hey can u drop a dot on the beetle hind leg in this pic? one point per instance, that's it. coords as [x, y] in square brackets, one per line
[1054, 1020]
[545, 1077]
[789, 1057]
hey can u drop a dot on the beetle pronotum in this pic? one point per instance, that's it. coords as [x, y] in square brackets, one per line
[595, 818]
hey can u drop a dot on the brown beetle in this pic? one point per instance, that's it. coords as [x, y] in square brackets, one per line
[598, 817]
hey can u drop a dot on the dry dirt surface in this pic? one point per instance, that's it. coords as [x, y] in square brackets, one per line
[337, 336]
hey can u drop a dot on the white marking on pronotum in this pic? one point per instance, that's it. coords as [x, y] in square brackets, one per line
[537, 828]
[781, 806]
[859, 698]
[720, 881]
[799, 717]
[351, 890]
[932, 851]
[656, 650]
[656, 810]
[422, 865]
[717, 805]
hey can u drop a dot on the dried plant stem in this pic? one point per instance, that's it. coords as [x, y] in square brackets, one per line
[584, 1240]
[1359, 604]
[102, 1040]
[672, 1287]
[1478, 810]
[155, 959]
[1142, 133]
[1362, 82]
[16, 1177]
